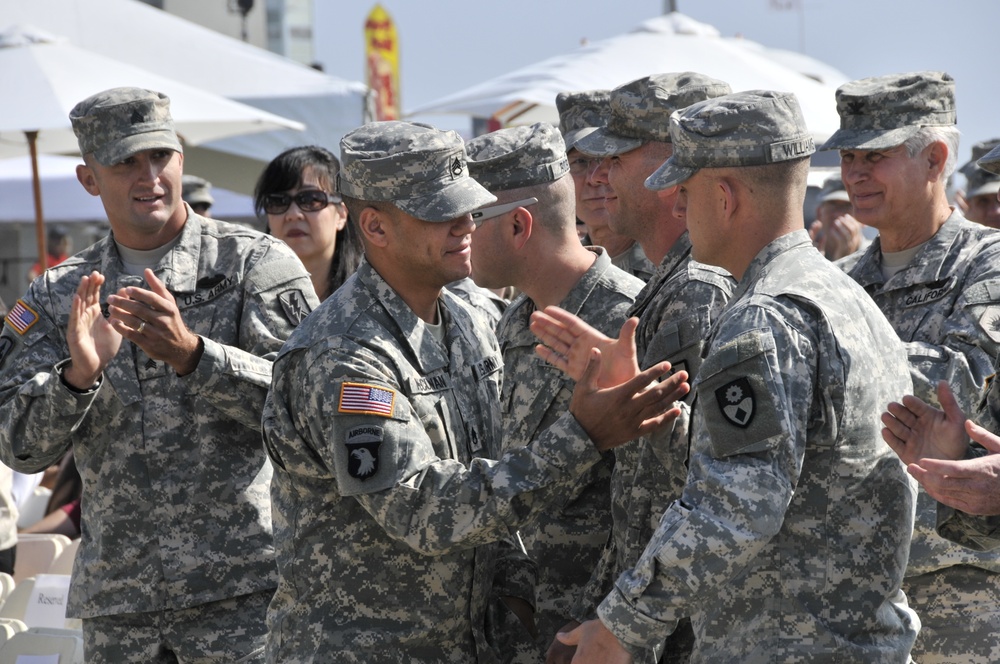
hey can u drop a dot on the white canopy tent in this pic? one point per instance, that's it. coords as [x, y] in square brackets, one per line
[672, 42]
[136, 33]
[65, 200]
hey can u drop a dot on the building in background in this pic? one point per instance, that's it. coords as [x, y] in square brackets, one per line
[284, 27]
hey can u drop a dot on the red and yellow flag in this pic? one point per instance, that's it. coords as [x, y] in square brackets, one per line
[382, 63]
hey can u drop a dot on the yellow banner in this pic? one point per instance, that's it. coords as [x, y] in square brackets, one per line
[382, 63]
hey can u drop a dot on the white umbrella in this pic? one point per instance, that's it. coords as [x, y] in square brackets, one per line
[668, 43]
[45, 77]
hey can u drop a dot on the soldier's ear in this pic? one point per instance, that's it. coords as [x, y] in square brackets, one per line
[521, 225]
[85, 174]
[372, 224]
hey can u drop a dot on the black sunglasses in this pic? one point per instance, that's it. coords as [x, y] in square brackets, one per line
[310, 200]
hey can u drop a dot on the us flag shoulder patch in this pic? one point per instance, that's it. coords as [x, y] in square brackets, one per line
[366, 399]
[21, 317]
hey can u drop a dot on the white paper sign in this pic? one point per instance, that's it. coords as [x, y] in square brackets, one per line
[47, 603]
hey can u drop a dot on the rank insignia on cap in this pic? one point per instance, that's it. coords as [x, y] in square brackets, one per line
[990, 322]
[366, 399]
[362, 451]
[21, 317]
[855, 107]
[295, 305]
[736, 401]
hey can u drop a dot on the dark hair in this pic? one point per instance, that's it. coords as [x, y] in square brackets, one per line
[285, 173]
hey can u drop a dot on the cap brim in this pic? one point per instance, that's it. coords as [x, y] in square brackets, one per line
[875, 139]
[601, 143]
[117, 151]
[571, 137]
[839, 195]
[986, 189]
[668, 175]
[452, 201]
[991, 161]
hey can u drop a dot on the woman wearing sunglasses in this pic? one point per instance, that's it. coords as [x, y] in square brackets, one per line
[295, 194]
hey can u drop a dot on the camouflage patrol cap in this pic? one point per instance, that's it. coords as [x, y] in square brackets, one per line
[991, 160]
[751, 128]
[117, 123]
[196, 190]
[980, 182]
[581, 113]
[420, 169]
[884, 111]
[518, 157]
[833, 190]
[640, 111]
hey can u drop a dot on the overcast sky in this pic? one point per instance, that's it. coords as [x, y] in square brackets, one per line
[448, 45]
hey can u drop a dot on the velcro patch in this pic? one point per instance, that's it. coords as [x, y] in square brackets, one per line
[295, 305]
[990, 322]
[21, 317]
[736, 401]
[363, 445]
[365, 399]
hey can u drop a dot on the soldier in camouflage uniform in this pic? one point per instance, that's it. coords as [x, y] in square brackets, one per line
[533, 246]
[675, 311]
[580, 114]
[149, 353]
[383, 414]
[979, 201]
[789, 542]
[962, 477]
[936, 277]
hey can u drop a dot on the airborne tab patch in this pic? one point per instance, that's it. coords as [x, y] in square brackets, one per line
[736, 401]
[21, 317]
[362, 399]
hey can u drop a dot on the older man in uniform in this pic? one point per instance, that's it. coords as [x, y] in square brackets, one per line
[383, 406]
[528, 241]
[789, 541]
[963, 478]
[580, 114]
[675, 311]
[149, 353]
[936, 277]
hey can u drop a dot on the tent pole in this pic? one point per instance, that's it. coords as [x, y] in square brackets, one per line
[36, 187]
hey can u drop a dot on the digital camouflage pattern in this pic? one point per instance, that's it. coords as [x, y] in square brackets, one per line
[565, 542]
[485, 302]
[981, 533]
[230, 630]
[385, 502]
[517, 157]
[943, 306]
[421, 170]
[743, 129]
[676, 309]
[117, 123]
[633, 261]
[991, 160]
[176, 510]
[581, 113]
[792, 495]
[884, 111]
[639, 109]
